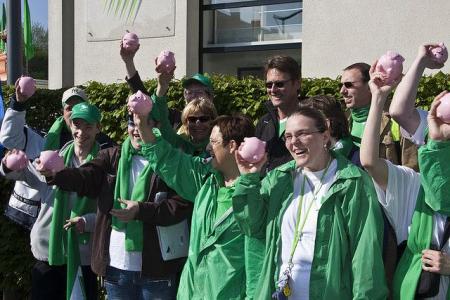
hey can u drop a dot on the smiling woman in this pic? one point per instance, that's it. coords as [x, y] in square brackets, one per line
[215, 268]
[318, 216]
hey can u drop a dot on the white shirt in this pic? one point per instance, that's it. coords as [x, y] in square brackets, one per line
[417, 137]
[119, 257]
[304, 252]
[399, 202]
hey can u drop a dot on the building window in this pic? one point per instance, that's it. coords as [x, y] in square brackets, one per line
[237, 36]
[228, 25]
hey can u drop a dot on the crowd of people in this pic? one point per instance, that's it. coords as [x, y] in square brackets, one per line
[348, 202]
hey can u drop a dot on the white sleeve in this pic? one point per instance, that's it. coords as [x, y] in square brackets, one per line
[30, 175]
[11, 134]
[418, 137]
[400, 198]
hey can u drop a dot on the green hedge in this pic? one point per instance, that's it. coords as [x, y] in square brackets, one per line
[231, 95]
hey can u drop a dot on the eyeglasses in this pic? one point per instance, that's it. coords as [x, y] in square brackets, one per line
[300, 135]
[200, 119]
[348, 84]
[279, 84]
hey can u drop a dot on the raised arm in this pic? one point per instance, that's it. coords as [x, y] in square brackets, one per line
[250, 198]
[12, 134]
[183, 173]
[402, 108]
[369, 154]
[128, 58]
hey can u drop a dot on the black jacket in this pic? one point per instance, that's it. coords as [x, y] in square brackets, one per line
[267, 130]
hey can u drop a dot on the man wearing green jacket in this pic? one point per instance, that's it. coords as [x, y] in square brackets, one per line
[215, 265]
[335, 250]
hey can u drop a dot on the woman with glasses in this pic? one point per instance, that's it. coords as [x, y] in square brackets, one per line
[215, 268]
[340, 138]
[319, 217]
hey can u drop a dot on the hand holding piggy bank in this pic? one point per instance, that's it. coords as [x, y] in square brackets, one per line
[27, 86]
[130, 41]
[252, 149]
[16, 161]
[140, 104]
[443, 110]
[440, 53]
[50, 160]
[391, 66]
[165, 62]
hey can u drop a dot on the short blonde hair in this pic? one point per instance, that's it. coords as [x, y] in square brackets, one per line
[200, 104]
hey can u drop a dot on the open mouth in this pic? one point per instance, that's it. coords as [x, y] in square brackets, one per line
[299, 152]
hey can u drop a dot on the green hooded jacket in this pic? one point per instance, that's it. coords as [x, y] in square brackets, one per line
[347, 260]
[215, 265]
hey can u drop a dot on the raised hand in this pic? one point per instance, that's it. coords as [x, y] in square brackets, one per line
[246, 167]
[438, 130]
[426, 57]
[19, 96]
[377, 83]
[127, 55]
[126, 214]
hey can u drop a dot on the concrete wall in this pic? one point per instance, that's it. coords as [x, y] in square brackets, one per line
[337, 33]
[99, 59]
[213, 62]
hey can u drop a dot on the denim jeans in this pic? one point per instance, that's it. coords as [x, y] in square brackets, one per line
[121, 284]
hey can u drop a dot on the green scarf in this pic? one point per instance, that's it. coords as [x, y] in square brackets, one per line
[64, 245]
[133, 229]
[410, 266]
[343, 146]
[54, 134]
[359, 118]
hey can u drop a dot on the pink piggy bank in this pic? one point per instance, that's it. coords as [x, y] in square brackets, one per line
[443, 110]
[130, 41]
[27, 86]
[50, 160]
[16, 161]
[165, 63]
[139, 103]
[391, 65]
[440, 53]
[252, 149]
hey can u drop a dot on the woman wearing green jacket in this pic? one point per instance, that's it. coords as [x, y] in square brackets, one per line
[215, 268]
[319, 216]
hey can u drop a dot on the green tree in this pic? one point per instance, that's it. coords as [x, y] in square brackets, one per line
[38, 65]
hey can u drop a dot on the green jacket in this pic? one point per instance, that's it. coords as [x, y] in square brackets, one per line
[215, 265]
[347, 256]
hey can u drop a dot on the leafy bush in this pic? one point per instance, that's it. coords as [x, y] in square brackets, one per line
[231, 95]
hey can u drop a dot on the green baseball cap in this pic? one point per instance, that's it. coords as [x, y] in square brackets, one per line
[88, 112]
[198, 78]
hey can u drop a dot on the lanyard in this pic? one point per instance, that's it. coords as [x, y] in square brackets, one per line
[298, 227]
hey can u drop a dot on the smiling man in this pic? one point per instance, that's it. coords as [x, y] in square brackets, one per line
[283, 86]
[357, 98]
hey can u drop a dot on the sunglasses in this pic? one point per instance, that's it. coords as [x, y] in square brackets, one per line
[200, 119]
[348, 84]
[278, 84]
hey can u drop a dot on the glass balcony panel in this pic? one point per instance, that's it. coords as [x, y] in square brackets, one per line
[253, 25]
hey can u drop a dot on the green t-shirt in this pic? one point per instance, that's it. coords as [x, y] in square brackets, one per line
[223, 200]
[281, 126]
